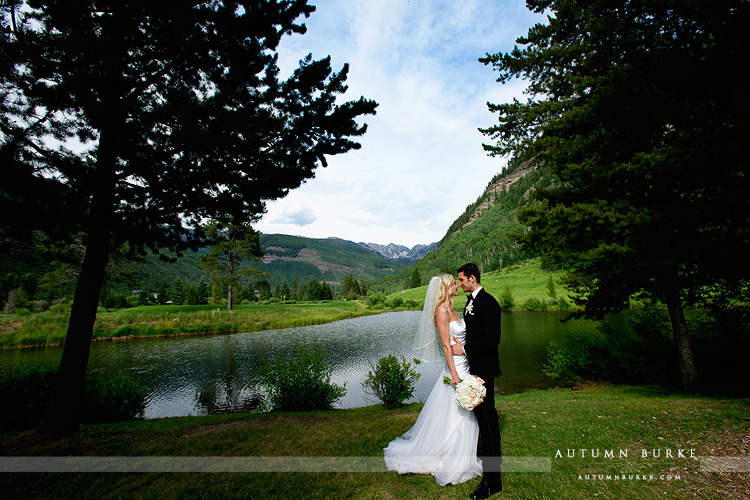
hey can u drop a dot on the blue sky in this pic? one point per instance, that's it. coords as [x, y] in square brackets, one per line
[421, 161]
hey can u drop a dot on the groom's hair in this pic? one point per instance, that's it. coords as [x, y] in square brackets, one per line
[470, 269]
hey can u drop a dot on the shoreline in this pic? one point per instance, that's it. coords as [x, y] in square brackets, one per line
[193, 322]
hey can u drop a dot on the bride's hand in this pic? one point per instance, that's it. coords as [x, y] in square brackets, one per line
[455, 380]
[458, 348]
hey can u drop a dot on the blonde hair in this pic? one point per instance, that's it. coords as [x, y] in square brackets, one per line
[446, 281]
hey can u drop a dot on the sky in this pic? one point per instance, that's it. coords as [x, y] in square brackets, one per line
[421, 162]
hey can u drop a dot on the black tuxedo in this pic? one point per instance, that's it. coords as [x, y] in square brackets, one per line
[482, 318]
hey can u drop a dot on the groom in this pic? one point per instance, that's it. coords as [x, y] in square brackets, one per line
[482, 318]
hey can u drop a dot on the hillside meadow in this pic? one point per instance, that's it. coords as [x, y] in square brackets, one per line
[526, 280]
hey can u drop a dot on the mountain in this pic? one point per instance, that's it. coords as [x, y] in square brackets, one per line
[325, 259]
[393, 251]
[480, 234]
[290, 258]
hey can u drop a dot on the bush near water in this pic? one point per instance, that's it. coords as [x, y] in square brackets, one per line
[107, 397]
[644, 352]
[391, 380]
[300, 382]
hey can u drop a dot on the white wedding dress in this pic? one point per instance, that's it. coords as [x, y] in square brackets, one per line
[443, 441]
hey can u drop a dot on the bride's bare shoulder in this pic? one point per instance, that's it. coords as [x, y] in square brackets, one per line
[442, 312]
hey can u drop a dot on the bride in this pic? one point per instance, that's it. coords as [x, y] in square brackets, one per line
[443, 441]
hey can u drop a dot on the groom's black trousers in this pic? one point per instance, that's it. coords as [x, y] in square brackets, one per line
[489, 431]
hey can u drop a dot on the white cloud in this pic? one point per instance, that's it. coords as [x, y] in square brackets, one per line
[297, 216]
[421, 161]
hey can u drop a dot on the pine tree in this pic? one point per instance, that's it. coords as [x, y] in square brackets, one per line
[325, 291]
[181, 115]
[177, 293]
[356, 289]
[265, 289]
[191, 294]
[314, 290]
[216, 293]
[416, 279]
[162, 295]
[629, 101]
[346, 286]
[232, 245]
[202, 292]
[551, 290]
[506, 299]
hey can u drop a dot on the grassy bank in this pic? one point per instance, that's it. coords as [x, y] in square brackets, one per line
[526, 280]
[533, 424]
[49, 327]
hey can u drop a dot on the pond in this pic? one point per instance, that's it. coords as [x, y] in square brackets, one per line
[217, 373]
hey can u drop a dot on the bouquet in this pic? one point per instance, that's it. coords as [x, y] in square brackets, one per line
[470, 392]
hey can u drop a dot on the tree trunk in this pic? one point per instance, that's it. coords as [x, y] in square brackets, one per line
[63, 411]
[230, 273]
[690, 381]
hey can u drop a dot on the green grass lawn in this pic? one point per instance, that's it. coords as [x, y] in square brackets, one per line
[533, 424]
[526, 280]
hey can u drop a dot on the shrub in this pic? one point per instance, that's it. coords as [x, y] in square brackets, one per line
[506, 299]
[113, 398]
[721, 340]
[644, 353]
[107, 398]
[563, 303]
[23, 393]
[641, 354]
[396, 302]
[40, 305]
[580, 356]
[391, 380]
[532, 304]
[378, 300]
[300, 382]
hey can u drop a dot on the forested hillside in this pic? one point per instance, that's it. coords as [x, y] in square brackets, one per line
[329, 259]
[287, 258]
[290, 259]
[481, 233]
